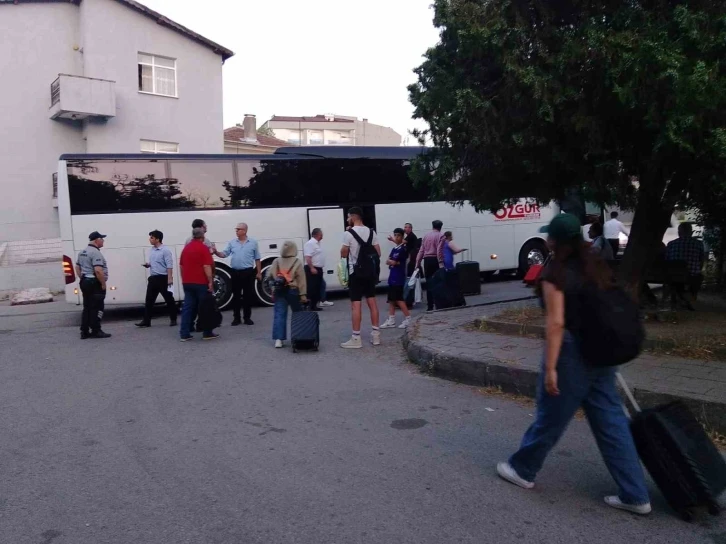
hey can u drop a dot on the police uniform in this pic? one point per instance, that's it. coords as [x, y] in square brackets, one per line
[93, 295]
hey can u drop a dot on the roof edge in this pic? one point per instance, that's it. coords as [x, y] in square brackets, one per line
[173, 25]
[148, 12]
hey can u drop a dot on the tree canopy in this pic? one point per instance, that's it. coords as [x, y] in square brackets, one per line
[534, 98]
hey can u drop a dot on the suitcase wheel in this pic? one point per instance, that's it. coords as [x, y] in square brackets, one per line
[687, 515]
[714, 509]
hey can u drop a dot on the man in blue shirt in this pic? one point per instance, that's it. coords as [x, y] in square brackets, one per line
[161, 278]
[396, 282]
[246, 267]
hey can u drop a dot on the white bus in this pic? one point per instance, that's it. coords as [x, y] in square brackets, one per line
[281, 197]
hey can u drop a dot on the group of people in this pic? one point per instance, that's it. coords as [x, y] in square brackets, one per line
[605, 243]
[294, 282]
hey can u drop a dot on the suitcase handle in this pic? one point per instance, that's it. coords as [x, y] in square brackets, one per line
[628, 393]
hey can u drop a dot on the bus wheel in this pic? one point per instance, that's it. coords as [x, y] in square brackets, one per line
[533, 252]
[262, 288]
[222, 287]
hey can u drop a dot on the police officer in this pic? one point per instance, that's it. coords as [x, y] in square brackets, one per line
[93, 273]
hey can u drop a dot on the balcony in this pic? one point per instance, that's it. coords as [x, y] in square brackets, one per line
[78, 98]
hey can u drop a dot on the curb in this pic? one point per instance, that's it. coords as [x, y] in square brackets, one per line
[487, 371]
[538, 331]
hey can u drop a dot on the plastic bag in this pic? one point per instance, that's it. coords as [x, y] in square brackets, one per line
[343, 272]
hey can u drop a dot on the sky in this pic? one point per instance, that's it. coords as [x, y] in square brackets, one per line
[297, 57]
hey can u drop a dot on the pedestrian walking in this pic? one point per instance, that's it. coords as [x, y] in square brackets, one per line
[612, 230]
[92, 271]
[431, 255]
[161, 279]
[566, 383]
[288, 278]
[396, 262]
[361, 249]
[450, 249]
[690, 250]
[314, 267]
[246, 267]
[600, 246]
[195, 267]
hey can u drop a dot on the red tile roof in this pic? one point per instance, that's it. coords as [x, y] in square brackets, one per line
[315, 119]
[237, 134]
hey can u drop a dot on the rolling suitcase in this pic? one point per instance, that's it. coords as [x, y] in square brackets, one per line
[304, 330]
[679, 455]
[469, 278]
[446, 289]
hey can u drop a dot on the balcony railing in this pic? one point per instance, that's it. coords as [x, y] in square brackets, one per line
[82, 97]
[55, 92]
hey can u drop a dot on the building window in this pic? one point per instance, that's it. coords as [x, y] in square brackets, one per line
[150, 146]
[157, 75]
[315, 137]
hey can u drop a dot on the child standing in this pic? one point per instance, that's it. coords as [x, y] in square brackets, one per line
[396, 280]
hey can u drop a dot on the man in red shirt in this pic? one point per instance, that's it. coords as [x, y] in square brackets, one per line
[195, 266]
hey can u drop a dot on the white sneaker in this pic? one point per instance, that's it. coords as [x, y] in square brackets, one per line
[326, 304]
[389, 323]
[406, 322]
[506, 472]
[354, 343]
[278, 343]
[615, 502]
[376, 338]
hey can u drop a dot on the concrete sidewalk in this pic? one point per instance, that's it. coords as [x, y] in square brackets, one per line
[448, 344]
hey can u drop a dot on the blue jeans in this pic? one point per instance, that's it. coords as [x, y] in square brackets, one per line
[594, 390]
[323, 289]
[288, 297]
[193, 294]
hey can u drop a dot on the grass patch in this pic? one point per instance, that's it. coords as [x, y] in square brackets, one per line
[525, 315]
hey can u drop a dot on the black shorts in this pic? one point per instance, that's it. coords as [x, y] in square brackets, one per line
[395, 293]
[360, 289]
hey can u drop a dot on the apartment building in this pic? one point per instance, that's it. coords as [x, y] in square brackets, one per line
[244, 138]
[331, 129]
[91, 76]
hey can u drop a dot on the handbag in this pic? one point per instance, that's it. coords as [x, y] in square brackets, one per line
[343, 272]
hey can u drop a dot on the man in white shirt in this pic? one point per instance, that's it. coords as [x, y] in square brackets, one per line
[360, 287]
[314, 267]
[612, 230]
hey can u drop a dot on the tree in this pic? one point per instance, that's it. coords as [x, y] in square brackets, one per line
[265, 130]
[536, 98]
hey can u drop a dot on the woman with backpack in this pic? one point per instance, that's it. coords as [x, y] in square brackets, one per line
[287, 277]
[567, 383]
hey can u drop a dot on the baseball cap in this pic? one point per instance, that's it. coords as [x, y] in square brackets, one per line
[95, 235]
[563, 227]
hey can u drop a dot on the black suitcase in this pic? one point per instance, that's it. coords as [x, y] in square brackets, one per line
[446, 289]
[305, 330]
[469, 278]
[209, 315]
[680, 457]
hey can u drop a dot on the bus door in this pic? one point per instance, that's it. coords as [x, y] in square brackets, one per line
[332, 222]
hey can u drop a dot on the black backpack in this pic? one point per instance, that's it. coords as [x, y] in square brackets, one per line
[611, 332]
[368, 265]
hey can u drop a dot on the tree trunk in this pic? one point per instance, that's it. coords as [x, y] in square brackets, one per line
[650, 222]
[720, 261]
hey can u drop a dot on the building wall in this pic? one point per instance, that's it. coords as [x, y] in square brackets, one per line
[358, 132]
[99, 39]
[240, 148]
[113, 35]
[30, 141]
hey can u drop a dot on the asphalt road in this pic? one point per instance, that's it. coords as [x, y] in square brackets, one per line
[141, 439]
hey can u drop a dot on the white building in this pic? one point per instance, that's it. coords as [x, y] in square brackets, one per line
[91, 76]
[331, 130]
